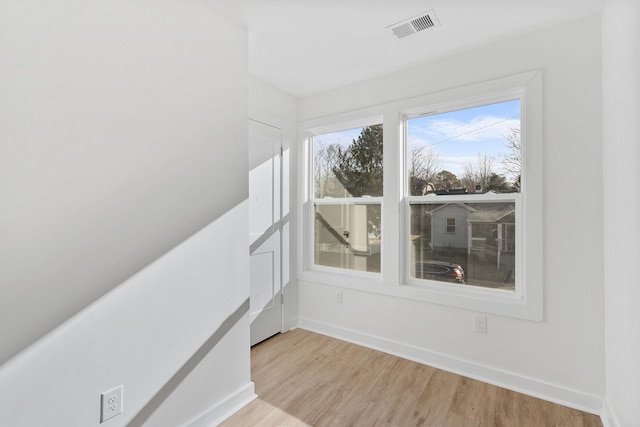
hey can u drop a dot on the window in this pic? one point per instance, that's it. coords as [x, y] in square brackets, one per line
[451, 225]
[347, 197]
[460, 220]
[464, 167]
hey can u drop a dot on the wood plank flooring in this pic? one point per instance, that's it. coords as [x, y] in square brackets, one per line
[307, 379]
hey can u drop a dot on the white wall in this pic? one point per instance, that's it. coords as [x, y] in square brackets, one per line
[621, 151]
[116, 119]
[561, 358]
[270, 105]
[123, 162]
[140, 335]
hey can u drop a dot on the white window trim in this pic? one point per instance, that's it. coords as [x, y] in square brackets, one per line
[446, 226]
[526, 303]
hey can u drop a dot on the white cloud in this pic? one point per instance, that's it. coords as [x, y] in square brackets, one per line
[481, 127]
[455, 165]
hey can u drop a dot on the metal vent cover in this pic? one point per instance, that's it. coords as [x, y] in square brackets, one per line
[415, 24]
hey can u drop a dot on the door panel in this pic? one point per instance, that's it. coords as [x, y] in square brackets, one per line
[263, 281]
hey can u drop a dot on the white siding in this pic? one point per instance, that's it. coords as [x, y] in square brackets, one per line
[442, 238]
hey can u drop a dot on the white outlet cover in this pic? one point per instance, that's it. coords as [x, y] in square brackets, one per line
[480, 324]
[110, 403]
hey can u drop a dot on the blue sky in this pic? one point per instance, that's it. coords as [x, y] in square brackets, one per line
[343, 137]
[458, 136]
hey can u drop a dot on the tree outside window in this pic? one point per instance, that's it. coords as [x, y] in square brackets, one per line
[348, 183]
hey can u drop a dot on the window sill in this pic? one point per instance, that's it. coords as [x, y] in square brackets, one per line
[349, 279]
[465, 297]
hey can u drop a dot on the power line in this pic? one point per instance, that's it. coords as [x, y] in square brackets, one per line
[470, 132]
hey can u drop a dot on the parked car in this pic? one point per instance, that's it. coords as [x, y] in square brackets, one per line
[438, 270]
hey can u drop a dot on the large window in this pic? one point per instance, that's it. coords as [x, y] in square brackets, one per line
[463, 174]
[347, 193]
[460, 220]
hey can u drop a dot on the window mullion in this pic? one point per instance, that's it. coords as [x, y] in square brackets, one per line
[392, 221]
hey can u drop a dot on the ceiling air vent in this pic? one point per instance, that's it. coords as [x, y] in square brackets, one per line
[415, 24]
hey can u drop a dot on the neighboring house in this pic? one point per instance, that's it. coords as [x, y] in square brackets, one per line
[449, 226]
[474, 227]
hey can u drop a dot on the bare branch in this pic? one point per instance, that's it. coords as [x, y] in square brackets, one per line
[424, 164]
[512, 161]
[325, 158]
[478, 173]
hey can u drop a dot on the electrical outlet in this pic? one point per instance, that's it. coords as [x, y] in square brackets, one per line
[480, 325]
[111, 403]
[338, 296]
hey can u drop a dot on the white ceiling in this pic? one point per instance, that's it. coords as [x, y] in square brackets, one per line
[308, 46]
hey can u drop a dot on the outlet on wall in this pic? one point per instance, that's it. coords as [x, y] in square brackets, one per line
[338, 296]
[110, 403]
[480, 324]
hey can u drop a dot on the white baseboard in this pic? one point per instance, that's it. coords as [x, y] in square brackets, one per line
[607, 417]
[551, 392]
[223, 410]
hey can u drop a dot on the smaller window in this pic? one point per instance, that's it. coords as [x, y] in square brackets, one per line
[347, 199]
[451, 225]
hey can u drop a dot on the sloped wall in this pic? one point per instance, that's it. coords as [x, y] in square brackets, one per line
[123, 163]
[123, 134]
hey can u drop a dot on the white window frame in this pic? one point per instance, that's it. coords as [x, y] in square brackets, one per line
[313, 201]
[447, 226]
[527, 302]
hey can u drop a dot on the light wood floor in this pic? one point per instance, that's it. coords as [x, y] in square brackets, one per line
[307, 379]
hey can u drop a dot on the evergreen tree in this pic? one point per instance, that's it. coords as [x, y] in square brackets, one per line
[359, 167]
[446, 180]
[497, 182]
